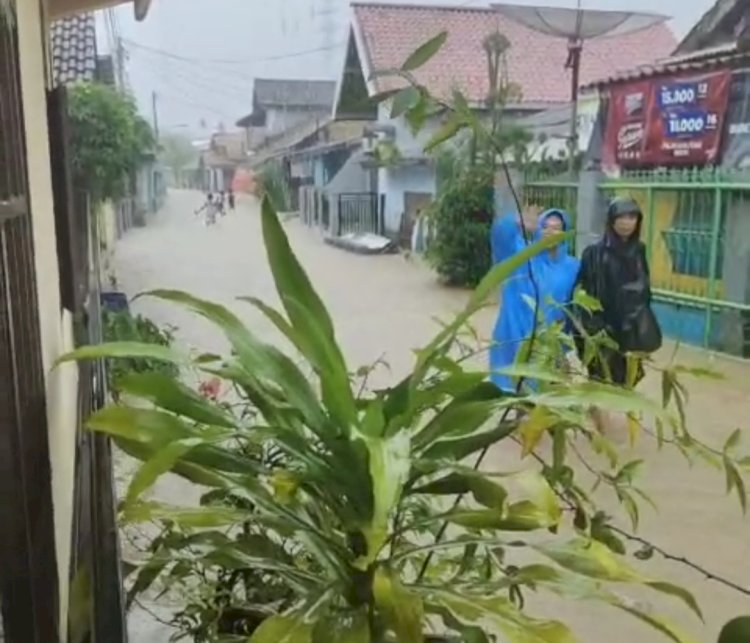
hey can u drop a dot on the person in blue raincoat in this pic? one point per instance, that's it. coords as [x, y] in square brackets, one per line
[555, 272]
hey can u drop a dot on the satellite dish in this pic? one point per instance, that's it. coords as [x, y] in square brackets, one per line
[576, 26]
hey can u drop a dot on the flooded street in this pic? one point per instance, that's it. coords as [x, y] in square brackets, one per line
[384, 307]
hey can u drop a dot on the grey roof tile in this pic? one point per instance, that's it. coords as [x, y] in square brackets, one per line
[73, 49]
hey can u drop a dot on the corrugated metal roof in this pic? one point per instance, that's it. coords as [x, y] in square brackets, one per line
[705, 60]
[294, 93]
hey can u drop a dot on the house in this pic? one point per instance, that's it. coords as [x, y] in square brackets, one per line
[382, 36]
[280, 105]
[668, 129]
[218, 163]
[47, 518]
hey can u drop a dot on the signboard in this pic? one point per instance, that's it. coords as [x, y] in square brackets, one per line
[736, 151]
[674, 121]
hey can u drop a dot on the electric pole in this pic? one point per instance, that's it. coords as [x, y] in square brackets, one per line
[155, 109]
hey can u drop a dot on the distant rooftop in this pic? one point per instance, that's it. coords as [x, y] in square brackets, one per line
[270, 92]
[387, 33]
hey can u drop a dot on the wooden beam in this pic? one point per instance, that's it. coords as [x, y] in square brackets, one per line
[64, 8]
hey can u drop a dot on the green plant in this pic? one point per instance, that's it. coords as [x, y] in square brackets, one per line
[177, 152]
[122, 326]
[461, 219]
[349, 517]
[110, 140]
[275, 184]
[370, 515]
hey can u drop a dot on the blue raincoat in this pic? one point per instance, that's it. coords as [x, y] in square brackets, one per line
[555, 276]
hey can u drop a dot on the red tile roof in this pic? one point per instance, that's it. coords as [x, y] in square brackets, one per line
[389, 33]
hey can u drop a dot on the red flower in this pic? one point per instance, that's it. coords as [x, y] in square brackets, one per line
[210, 389]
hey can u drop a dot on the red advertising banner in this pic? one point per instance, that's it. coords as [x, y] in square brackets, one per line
[667, 122]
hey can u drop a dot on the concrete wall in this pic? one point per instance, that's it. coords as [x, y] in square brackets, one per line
[56, 329]
[393, 182]
[281, 119]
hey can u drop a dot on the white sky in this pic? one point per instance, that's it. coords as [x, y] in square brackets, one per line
[250, 32]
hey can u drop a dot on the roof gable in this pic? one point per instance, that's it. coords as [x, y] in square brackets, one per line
[716, 27]
[387, 34]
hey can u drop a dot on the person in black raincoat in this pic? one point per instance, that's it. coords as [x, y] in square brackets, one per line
[615, 271]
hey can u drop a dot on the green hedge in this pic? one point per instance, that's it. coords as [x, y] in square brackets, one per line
[461, 219]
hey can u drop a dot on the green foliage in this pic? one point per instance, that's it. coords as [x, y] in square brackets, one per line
[736, 631]
[275, 185]
[177, 151]
[125, 328]
[337, 495]
[461, 219]
[327, 497]
[109, 139]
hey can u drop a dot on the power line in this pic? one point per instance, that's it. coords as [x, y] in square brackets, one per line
[235, 61]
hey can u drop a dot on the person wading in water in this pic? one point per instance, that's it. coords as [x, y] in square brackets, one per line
[615, 271]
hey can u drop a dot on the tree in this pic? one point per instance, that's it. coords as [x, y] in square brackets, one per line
[177, 152]
[110, 139]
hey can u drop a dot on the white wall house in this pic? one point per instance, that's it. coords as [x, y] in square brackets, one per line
[383, 35]
[282, 104]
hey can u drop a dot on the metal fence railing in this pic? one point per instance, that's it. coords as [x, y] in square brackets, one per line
[554, 193]
[358, 213]
[697, 231]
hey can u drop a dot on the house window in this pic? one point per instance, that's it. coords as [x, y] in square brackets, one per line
[689, 239]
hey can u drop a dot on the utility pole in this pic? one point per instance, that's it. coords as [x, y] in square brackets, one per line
[155, 110]
[120, 61]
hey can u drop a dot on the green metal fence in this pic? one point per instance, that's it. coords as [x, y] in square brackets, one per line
[553, 193]
[697, 231]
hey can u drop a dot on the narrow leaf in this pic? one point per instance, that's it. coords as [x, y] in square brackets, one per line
[425, 52]
[158, 465]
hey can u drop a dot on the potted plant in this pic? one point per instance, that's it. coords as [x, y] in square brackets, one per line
[361, 508]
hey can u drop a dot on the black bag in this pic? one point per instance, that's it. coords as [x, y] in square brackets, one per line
[641, 332]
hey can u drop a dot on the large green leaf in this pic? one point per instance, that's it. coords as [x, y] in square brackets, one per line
[595, 560]
[425, 52]
[736, 631]
[575, 587]
[283, 629]
[485, 491]
[309, 317]
[404, 100]
[172, 395]
[156, 429]
[473, 610]
[390, 462]
[402, 609]
[124, 350]
[258, 359]
[457, 419]
[162, 462]
[460, 448]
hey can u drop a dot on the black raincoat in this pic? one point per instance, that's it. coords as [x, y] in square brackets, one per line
[616, 273]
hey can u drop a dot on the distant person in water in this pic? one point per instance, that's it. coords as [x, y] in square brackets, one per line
[554, 272]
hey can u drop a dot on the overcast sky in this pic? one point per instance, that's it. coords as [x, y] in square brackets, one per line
[200, 56]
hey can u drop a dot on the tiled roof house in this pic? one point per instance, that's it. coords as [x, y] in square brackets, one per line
[73, 49]
[382, 37]
[385, 35]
